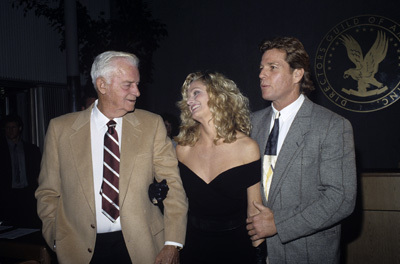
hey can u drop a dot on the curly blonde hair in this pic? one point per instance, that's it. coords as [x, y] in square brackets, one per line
[229, 109]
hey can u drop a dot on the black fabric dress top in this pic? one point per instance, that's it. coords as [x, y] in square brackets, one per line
[216, 229]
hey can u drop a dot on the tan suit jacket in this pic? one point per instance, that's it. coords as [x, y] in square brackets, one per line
[66, 198]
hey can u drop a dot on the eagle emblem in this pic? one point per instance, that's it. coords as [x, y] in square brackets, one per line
[366, 67]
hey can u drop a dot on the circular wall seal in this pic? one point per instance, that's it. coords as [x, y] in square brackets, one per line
[357, 64]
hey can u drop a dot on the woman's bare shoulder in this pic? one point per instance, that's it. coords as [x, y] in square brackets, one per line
[248, 147]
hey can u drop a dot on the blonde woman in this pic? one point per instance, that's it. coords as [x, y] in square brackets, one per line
[220, 169]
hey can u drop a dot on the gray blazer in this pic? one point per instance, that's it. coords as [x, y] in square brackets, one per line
[313, 187]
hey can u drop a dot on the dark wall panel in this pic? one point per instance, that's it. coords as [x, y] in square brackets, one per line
[224, 36]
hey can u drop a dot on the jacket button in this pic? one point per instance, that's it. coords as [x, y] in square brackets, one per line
[92, 226]
[89, 250]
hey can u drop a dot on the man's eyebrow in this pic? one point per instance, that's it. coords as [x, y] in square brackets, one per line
[270, 63]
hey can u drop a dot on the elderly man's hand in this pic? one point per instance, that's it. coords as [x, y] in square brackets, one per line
[262, 224]
[168, 255]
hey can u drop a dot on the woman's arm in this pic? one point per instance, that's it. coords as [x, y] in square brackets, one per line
[253, 194]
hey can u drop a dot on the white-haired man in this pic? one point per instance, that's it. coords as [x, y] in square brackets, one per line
[73, 199]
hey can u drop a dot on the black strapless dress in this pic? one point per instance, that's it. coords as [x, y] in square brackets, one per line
[216, 229]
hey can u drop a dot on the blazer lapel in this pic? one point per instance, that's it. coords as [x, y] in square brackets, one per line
[82, 155]
[291, 147]
[131, 134]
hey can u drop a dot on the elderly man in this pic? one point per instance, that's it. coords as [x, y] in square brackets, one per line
[96, 170]
[309, 176]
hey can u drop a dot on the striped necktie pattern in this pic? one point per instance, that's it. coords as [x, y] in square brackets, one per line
[110, 185]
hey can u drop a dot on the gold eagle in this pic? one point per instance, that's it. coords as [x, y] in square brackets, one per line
[366, 67]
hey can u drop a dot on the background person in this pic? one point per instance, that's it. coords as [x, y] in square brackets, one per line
[87, 100]
[20, 166]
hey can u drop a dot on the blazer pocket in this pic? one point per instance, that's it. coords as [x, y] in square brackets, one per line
[328, 233]
[324, 245]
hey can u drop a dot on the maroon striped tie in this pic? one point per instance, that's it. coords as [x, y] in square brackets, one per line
[109, 188]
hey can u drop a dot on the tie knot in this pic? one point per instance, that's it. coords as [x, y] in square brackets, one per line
[111, 126]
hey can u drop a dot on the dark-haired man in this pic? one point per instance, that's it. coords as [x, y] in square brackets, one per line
[309, 176]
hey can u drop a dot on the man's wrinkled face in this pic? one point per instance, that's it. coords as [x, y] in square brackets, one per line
[120, 94]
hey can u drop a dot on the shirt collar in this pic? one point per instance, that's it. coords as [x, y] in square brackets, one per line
[289, 110]
[101, 120]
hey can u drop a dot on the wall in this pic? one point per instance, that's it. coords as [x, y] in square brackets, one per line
[378, 222]
[29, 48]
[224, 36]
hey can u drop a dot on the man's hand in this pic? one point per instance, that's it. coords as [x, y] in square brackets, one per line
[262, 224]
[168, 255]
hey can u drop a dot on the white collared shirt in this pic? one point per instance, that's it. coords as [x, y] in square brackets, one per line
[98, 128]
[286, 118]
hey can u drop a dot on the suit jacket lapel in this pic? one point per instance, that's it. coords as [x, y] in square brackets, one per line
[82, 155]
[131, 134]
[291, 147]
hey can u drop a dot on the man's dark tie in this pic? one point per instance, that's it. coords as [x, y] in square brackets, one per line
[270, 156]
[110, 186]
[272, 143]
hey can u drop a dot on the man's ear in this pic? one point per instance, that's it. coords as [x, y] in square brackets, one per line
[298, 75]
[101, 84]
